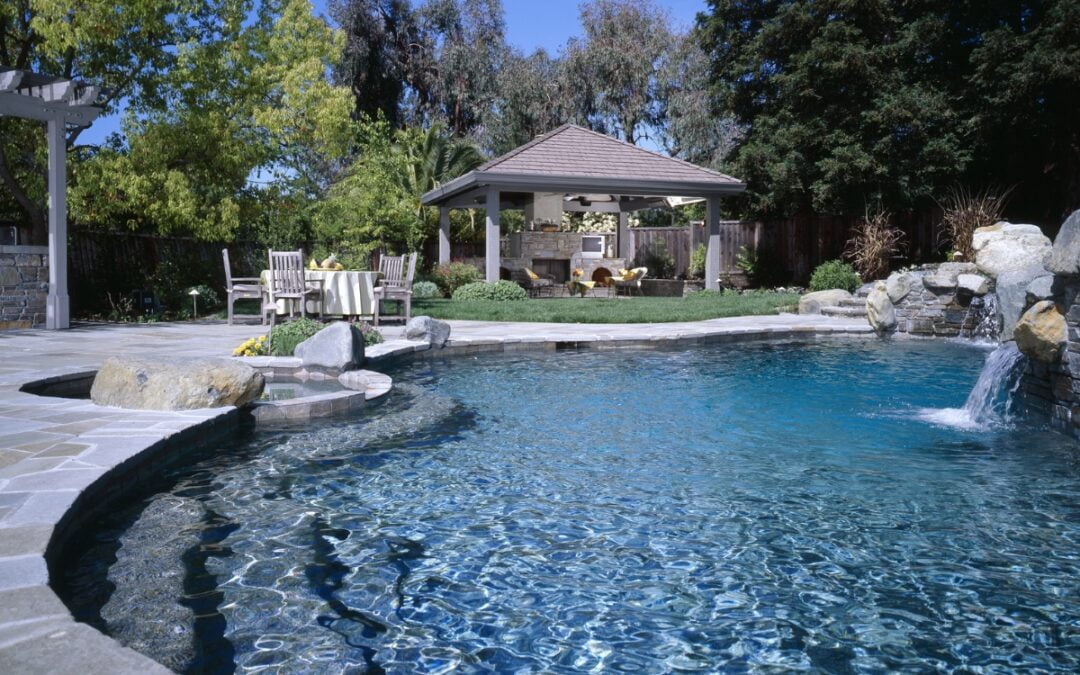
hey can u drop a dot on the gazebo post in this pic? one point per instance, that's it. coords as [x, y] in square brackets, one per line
[57, 309]
[444, 235]
[712, 254]
[622, 236]
[491, 236]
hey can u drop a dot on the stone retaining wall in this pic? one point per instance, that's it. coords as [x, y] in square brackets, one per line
[1053, 389]
[24, 286]
[939, 300]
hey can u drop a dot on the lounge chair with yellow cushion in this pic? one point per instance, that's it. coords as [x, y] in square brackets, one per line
[532, 282]
[630, 280]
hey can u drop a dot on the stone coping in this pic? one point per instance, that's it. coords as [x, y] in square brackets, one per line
[62, 459]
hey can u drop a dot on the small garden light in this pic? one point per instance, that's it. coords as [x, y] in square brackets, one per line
[194, 293]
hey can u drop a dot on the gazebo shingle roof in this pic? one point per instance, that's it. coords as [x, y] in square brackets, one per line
[573, 159]
[571, 150]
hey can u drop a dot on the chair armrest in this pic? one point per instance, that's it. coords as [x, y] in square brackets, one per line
[245, 280]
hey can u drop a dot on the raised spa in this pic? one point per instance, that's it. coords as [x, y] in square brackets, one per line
[783, 505]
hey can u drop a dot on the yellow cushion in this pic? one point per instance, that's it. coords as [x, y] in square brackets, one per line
[533, 276]
[623, 272]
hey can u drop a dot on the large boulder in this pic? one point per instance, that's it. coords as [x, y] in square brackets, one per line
[1011, 288]
[434, 332]
[1008, 246]
[1041, 332]
[811, 303]
[945, 277]
[879, 309]
[973, 284]
[1040, 288]
[898, 285]
[1065, 258]
[339, 346]
[174, 384]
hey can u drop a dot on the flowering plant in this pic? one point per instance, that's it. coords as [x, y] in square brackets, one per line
[252, 347]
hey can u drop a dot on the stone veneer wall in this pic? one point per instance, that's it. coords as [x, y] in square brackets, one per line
[24, 286]
[937, 304]
[1053, 389]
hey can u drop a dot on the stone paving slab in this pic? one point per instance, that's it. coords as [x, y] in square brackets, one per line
[60, 456]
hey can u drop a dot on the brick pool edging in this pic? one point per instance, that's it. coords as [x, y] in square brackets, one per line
[111, 450]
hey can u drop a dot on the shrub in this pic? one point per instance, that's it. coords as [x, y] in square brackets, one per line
[371, 334]
[874, 243]
[966, 210]
[655, 256]
[453, 276]
[835, 274]
[426, 289]
[500, 291]
[284, 337]
[697, 262]
[762, 269]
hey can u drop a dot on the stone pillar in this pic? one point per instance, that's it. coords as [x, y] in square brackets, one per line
[444, 235]
[622, 236]
[712, 234]
[58, 310]
[491, 234]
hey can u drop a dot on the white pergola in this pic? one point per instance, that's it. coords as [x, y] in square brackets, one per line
[60, 103]
[592, 172]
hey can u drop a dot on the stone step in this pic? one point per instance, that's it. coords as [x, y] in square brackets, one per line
[846, 312]
[852, 302]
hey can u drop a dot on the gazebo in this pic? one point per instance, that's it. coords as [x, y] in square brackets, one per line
[591, 172]
[59, 103]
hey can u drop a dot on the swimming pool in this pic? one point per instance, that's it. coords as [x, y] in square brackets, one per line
[728, 507]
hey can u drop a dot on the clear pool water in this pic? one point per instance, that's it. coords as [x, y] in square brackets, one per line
[734, 508]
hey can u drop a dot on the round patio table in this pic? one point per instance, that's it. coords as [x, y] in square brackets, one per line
[344, 292]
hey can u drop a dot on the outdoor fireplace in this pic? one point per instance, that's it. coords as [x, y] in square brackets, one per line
[557, 268]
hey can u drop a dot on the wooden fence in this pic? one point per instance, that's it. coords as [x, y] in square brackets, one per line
[680, 243]
[106, 267]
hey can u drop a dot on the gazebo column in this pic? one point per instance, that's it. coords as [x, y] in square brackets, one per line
[491, 234]
[58, 310]
[622, 236]
[444, 235]
[712, 255]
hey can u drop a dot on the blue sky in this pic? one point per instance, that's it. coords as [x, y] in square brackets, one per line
[529, 24]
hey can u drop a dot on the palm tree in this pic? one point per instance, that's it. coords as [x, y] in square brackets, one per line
[430, 158]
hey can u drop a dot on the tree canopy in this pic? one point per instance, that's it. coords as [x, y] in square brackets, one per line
[845, 103]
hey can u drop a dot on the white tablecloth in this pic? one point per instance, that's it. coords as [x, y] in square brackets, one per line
[344, 293]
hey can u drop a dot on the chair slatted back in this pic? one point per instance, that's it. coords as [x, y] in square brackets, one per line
[412, 270]
[287, 273]
[391, 268]
[228, 268]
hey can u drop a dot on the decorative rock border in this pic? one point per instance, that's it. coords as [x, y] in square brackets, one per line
[112, 452]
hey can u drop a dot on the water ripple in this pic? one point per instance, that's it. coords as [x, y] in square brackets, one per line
[755, 507]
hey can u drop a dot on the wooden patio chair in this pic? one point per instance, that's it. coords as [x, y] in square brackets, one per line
[287, 282]
[395, 283]
[240, 288]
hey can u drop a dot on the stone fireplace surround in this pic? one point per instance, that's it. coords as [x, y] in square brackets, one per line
[525, 248]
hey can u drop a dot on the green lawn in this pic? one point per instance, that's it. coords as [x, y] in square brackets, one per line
[611, 310]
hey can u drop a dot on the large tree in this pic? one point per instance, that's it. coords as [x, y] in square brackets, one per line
[219, 94]
[614, 69]
[844, 101]
[237, 116]
[125, 50]
[848, 103]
